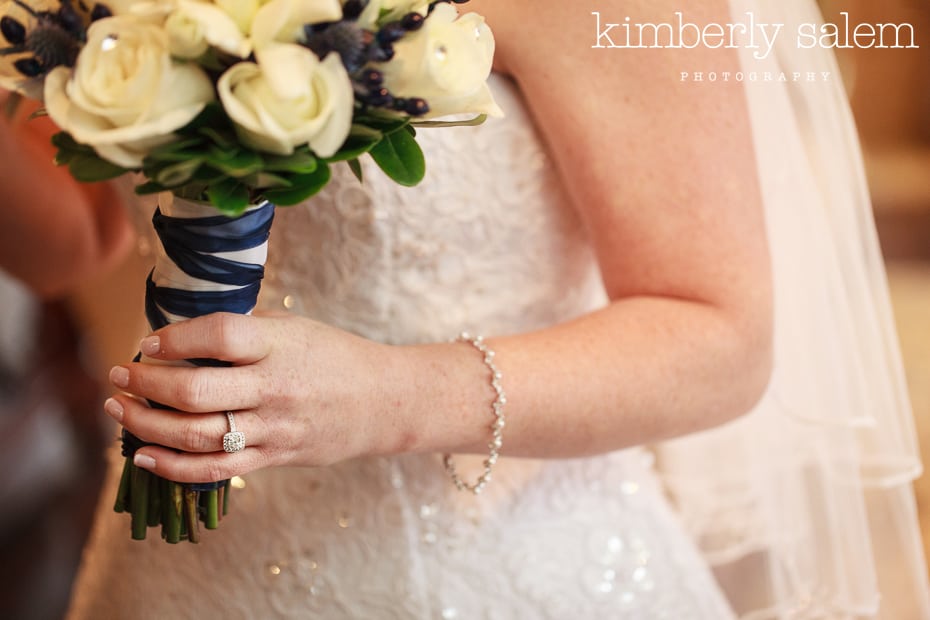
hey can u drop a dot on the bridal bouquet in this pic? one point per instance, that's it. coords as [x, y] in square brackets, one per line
[226, 108]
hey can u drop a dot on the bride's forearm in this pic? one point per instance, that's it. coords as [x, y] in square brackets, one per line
[642, 369]
[638, 371]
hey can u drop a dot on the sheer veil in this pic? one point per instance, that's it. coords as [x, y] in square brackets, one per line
[805, 506]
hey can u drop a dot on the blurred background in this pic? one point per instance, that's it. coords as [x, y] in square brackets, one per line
[890, 94]
[53, 432]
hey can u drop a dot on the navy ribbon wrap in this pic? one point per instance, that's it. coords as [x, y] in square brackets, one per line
[193, 245]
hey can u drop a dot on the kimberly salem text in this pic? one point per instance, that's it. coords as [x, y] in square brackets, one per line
[750, 33]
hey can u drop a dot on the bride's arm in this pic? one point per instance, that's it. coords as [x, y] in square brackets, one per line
[664, 175]
[54, 231]
[663, 172]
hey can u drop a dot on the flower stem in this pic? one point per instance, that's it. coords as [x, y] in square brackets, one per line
[173, 509]
[211, 516]
[221, 501]
[139, 500]
[226, 489]
[122, 493]
[154, 511]
[190, 515]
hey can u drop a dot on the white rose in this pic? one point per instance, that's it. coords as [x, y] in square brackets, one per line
[151, 10]
[194, 26]
[126, 95]
[288, 99]
[447, 62]
[241, 11]
[283, 21]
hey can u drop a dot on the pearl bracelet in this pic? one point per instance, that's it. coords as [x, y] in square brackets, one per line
[497, 426]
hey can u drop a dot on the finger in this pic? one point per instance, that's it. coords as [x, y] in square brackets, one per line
[233, 338]
[191, 432]
[186, 467]
[194, 389]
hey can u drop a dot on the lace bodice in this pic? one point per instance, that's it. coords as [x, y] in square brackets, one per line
[487, 243]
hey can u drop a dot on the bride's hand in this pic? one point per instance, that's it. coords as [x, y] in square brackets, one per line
[303, 393]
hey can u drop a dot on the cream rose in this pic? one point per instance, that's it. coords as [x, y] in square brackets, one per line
[447, 62]
[126, 95]
[282, 21]
[241, 11]
[194, 26]
[150, 10]
[288, 99]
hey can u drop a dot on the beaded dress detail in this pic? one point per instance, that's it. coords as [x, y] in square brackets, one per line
[487, 243]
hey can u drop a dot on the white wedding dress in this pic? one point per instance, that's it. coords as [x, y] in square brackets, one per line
[487, 243]
[799, 506]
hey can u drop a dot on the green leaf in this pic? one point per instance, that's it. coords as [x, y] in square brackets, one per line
[176, 154]
[355, 146]
[400, 157]
[356, 169]
[175, 147]
[178, 173]
[471, 122]
[207, 176]
[212, 115]
[154, 163]
[266, 180]
[91, 169]
[63, 141]
[223, 139]
[378, 122]
[229, 196]
[150, 187]
[301, 161]
[235, 163]
[303, 186]
[63, 157]
[365, 130]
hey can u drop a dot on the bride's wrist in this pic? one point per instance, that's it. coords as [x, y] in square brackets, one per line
[437, 398]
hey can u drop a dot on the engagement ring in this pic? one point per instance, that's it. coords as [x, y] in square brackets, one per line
[234, 440]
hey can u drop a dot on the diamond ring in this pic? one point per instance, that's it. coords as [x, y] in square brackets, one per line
[234, 440]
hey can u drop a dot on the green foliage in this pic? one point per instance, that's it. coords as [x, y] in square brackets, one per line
[208, 161]
[356, 168]
[301, 161]
[470, 122]
[302, 187]
[400, 157]
[360, 141]
[229, 195]
[83, 162]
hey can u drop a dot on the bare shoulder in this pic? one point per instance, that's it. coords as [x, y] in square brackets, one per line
[661, 169]
[533, 33]
[577, 60]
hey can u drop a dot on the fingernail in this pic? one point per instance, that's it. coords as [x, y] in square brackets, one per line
[119, 376]
[144, 461]
[150, 345]
[113, 409]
